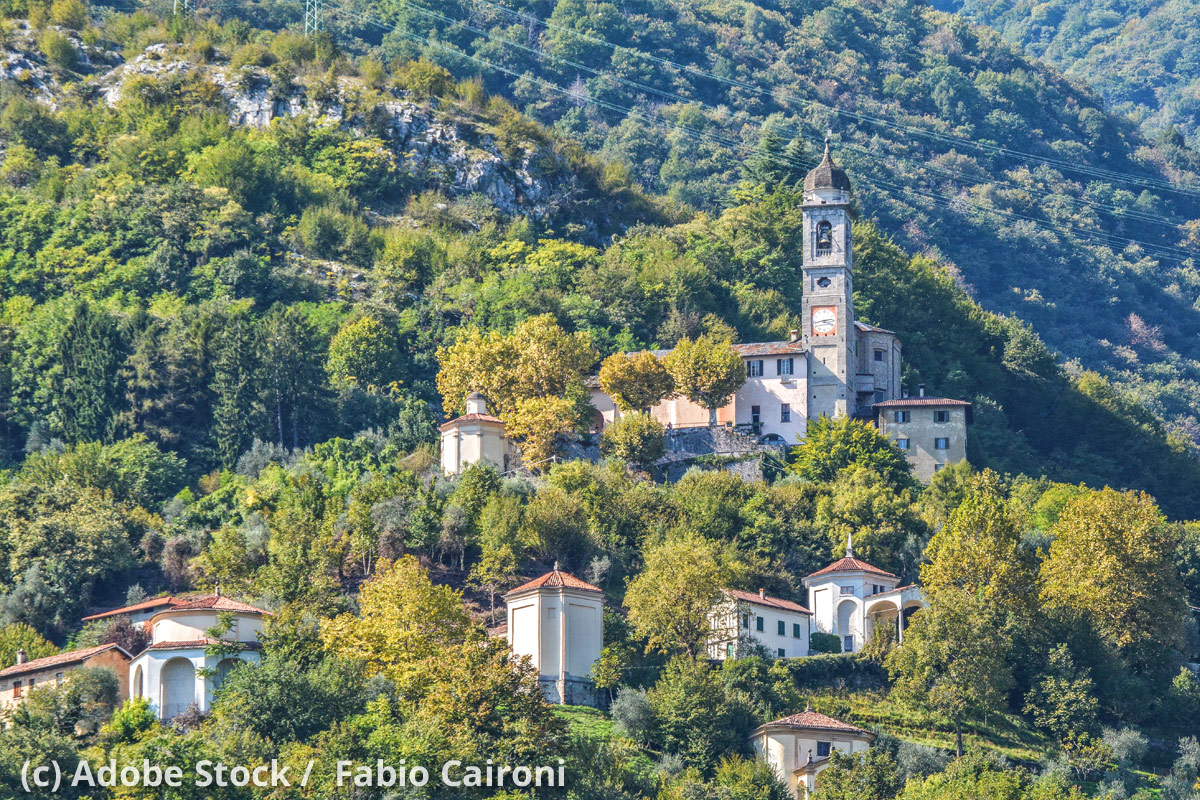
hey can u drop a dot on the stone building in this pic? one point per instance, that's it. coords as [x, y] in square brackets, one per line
[932, 431]
[17, 680]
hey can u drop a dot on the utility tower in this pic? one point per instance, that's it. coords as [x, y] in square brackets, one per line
[314, 16]
[186, 7]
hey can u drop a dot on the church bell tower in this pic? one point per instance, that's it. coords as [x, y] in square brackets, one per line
[827, 306]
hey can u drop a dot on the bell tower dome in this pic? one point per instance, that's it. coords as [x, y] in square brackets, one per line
[828, 310]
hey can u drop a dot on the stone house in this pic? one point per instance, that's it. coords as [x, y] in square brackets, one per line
[16, 681]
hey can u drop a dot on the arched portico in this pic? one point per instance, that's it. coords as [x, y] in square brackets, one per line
[848, 627]
[178, 687]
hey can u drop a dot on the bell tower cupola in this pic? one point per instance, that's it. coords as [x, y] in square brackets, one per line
[828, 310]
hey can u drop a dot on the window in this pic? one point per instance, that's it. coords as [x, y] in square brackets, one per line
[901, 416]
[782, 653]
[754, 368]
[847, 589]
[824, 238]
[32, 681]
[936, 467]
[880, 355]
[941, 416]
[823, 749]
[746, 621]
[795, 630]
[58, 679]
[755, 414]
[781, 628]
[941, 443]
[785, 412]
[902, 444]
[16, 689]
[784, 366]
[847, 644]
[758, 623]
[729, 650]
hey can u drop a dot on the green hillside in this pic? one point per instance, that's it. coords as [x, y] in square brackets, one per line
[1141, 57]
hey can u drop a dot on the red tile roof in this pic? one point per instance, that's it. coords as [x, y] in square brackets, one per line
[815, 720]
[154, 602]
[555, 580]
[195, 643]
[215, 602]
[70, 657]
[851, 564]
[909, 402]
[770, 602]
[470, 418]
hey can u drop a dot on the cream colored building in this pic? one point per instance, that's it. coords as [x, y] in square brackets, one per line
[931, 431]
[557, 621]
[176, 671]
[799, 747]
[744, 621]
[476, 437]
[17, 680]
[850, 598]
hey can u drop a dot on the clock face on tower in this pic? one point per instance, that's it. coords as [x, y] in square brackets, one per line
[824, 320]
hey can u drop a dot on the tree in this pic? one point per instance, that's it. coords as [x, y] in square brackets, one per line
[19, 636]
[405, 624]
[292, 366]
[500, 547]
[535, 424]
[670, 599]
[537, 360]
[638, 439]
[364, 354]
[90, 352]
[980, 550]
[1063, 701]
[637, 382]
[833, 445]
[1112, 563]
[873, 775]
[954, 658]
[237, 389]
[695, 716]
[707, 371]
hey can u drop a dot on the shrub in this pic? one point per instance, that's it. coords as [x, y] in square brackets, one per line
[59, 50]
[71, 14]
[632, 715]
[424, 79]
[825, 643]
[638, 439]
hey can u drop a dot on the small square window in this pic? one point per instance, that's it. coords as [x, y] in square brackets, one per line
[847, 589]
[823, 749]
[785, 412]
[782, 653]
[941, 416]
[901, 416]
[729, 652]
[746, 621]
[941, 443]
[936, 467]
[758, 623]
[880, 355]
[58, 678]
[781, 628]
[784, 366]
[795, 630]
[902, 444]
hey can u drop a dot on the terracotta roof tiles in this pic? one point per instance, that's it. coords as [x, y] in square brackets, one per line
[216, 603]
[470, 418]
[815, 720]
[555, 579]
[851, 564]
[70, 657]
[763, 600]
[153, 602]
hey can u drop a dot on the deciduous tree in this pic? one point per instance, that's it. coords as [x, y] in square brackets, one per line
[637, 382]
[707, 371]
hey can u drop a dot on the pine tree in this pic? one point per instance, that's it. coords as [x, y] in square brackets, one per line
[293, 373]
[236, 384]
[89, 398]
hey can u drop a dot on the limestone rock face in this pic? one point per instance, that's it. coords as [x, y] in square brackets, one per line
[457, 156]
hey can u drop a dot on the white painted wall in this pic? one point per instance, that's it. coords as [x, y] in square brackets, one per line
[735, 622]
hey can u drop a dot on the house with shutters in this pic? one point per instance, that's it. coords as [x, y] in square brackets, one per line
[17, 680]
[749, 623]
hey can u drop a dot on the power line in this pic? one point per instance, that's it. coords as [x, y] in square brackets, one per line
[998, 149]
[1107, 240]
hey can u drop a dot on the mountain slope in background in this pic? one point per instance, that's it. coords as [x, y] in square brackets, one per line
[1046, 205]
[1143, 57]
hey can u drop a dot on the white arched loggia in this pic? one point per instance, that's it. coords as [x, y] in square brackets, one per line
[847, 611]
[178, 687]
[139, 681]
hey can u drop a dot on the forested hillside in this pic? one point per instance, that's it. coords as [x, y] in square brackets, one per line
[1042, 202]
[1141, 57]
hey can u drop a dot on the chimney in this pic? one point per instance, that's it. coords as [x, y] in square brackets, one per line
[556, 566]
[762, 593]
[793, 336]
[21, 659]
[921, 389]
